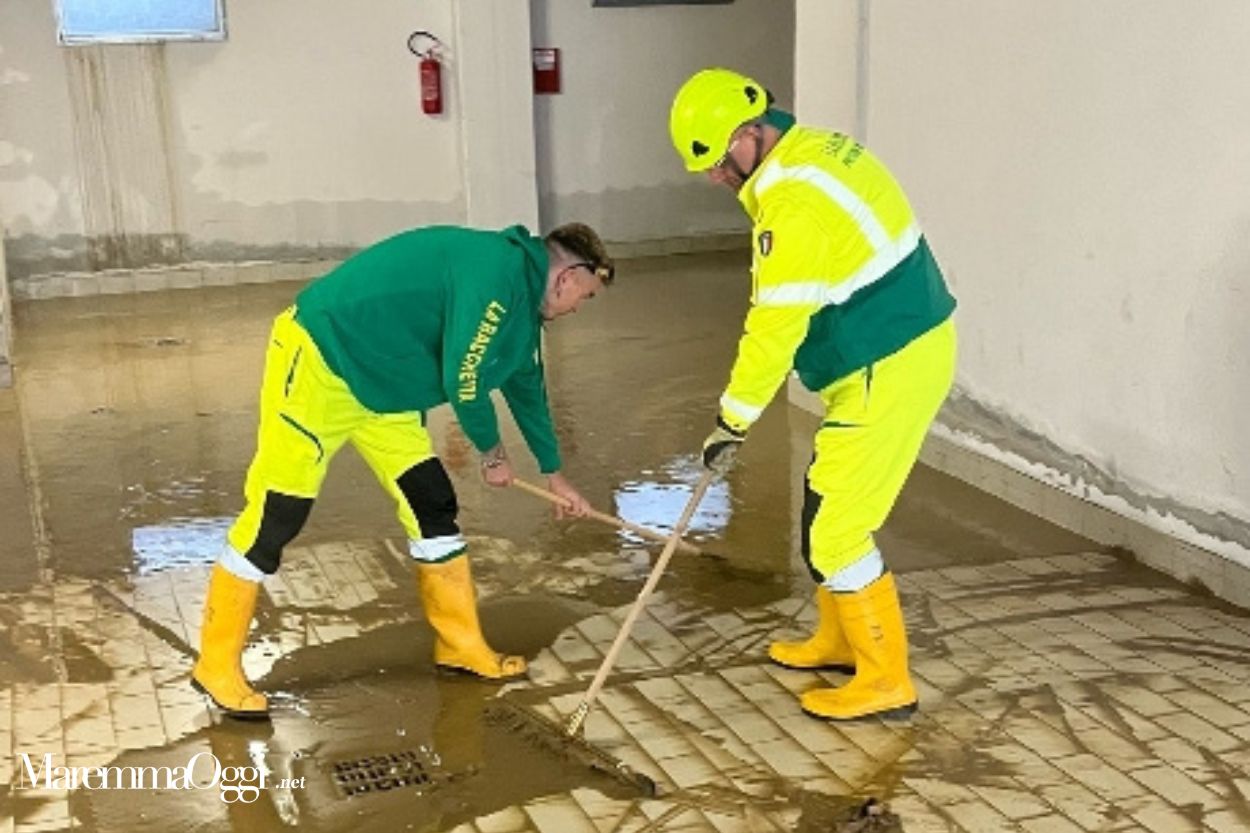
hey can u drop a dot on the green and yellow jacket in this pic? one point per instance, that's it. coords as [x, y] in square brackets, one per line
[441, 314]
[841, 274]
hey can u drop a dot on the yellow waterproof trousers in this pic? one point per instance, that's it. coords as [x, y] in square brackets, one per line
[875, 422]
[306, 414]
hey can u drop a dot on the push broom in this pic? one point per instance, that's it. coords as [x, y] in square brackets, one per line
[610, 520]
[566, 740]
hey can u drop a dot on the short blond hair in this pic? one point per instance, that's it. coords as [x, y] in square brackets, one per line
[580, 243]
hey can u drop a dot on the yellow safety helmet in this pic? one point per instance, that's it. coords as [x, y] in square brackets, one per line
[708, 109]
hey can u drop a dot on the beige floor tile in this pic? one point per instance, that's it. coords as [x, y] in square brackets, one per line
[919, 816]
[1104, 780]
[29, 697]
[575, 650]
[40, 815]
[31, 726]
[1112, 747]
[1228, 821]
[1013, 803]
[1198, 731]
[1157, 816]
[136, 711]
[978, 817]
[141, 737]
[789, 759]
[1209, 708]
[83, 736]
[1080, 805]
[559, 815]
[939, 673]
[1051, 824]
[1175, 787]
[508, 820]
[691, 770]
[1142, 700]
[729, 823]
[944, 794]
[1039, 737]
[1026, 766]
[182, 720]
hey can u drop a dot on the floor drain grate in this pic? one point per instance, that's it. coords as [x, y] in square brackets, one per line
[382, 773]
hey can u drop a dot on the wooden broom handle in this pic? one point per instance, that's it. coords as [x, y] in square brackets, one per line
[583, 708]
[603, 517]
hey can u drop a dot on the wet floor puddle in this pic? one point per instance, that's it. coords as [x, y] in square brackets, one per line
[374, 740]
[367, 736]
[396, 751]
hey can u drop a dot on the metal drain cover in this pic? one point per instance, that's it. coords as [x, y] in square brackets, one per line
[383, 773]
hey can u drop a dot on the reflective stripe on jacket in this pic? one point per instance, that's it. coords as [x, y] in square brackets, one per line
[841, 274]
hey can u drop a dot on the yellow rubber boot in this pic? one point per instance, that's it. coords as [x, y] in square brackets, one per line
[451, 607]
[219, 670]
[873, 623]
[825, 649]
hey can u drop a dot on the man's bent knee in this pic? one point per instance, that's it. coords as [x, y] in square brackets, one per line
[282, 519]
[429, 493]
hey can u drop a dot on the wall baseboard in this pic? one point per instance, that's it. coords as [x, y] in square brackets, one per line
[191, 275]
[946, 451]
[722, 242]
[157, 278]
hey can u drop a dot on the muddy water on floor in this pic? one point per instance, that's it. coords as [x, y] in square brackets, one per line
[140, 418]
[373, 739]
[135, 420]
[136, 417]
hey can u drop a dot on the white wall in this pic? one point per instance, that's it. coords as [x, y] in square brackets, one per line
[302, 131]
[497, 103]
[39, 184]
[826, 60]
[305, 125]
[604, 155]
[301, 136]
[1083, 172]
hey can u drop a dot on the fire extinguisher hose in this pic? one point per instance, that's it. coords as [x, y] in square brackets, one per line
[416, 36]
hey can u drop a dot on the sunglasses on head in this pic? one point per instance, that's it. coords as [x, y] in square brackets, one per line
[603, 272]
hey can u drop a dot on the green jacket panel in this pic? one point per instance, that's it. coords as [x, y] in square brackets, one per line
[441, 314]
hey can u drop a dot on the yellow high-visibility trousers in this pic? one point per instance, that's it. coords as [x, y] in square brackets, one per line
[307, 413]
[875, 422]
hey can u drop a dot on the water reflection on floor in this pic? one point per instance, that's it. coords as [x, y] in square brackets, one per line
[139, 412]
[125, 446]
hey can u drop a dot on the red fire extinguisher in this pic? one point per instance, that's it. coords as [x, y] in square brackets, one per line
[431, 72]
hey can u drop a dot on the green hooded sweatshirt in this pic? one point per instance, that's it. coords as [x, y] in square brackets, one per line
[441, 314]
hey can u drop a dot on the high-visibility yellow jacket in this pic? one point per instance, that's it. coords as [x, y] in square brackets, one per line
[841, 275]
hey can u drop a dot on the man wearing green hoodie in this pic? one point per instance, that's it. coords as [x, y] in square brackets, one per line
[430, 316]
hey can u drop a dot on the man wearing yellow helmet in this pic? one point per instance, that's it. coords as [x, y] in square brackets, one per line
[845, 292]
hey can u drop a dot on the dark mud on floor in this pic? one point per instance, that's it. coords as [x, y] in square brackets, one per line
[381, 740]
[385, 752]
[513, 624]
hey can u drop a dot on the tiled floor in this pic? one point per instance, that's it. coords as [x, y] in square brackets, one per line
[1054, 698]
[1058, 694]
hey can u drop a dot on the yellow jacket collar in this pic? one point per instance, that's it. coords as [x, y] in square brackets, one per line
[746, 194]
